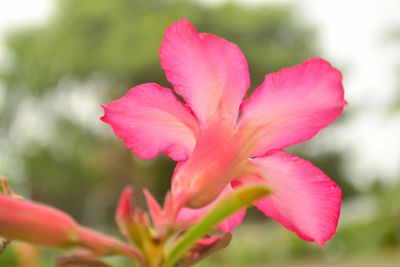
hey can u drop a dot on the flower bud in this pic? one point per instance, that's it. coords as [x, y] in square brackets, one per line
[36, 223]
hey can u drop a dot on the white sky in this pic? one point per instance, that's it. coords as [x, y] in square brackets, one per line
[354, 37]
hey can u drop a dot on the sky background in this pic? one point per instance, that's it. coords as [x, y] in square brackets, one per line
[355, 36]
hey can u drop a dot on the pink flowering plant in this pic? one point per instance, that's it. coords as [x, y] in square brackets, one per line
[229, 152]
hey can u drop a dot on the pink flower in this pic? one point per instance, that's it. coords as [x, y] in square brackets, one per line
[217, 150]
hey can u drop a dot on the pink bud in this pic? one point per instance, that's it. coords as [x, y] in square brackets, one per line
[164, 219]
[132, 222]
[124, 210]
[36, 223]
[155, 210]
[43, 225]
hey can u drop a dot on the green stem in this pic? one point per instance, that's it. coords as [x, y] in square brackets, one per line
[232, 203]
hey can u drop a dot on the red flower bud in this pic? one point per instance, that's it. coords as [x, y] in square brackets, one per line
[36, 223]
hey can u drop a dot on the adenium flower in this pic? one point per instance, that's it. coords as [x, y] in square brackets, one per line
[216, 149]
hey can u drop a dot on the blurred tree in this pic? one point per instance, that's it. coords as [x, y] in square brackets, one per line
[114, 45]
[121, 38]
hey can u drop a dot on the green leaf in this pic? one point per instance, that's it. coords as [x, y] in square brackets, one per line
[240, 198]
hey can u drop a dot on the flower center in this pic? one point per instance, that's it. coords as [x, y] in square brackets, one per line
[220, 155]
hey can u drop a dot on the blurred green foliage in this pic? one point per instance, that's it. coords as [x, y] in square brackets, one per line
[120, 39]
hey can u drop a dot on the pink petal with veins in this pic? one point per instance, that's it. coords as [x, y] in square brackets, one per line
[210, 73]
[150, 119]
[304, 199]
[292, 105]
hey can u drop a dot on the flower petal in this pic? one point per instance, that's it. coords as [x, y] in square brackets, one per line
[304, 199]
[150, 119]
[210, 73]
[292, 105]
[194, 215]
